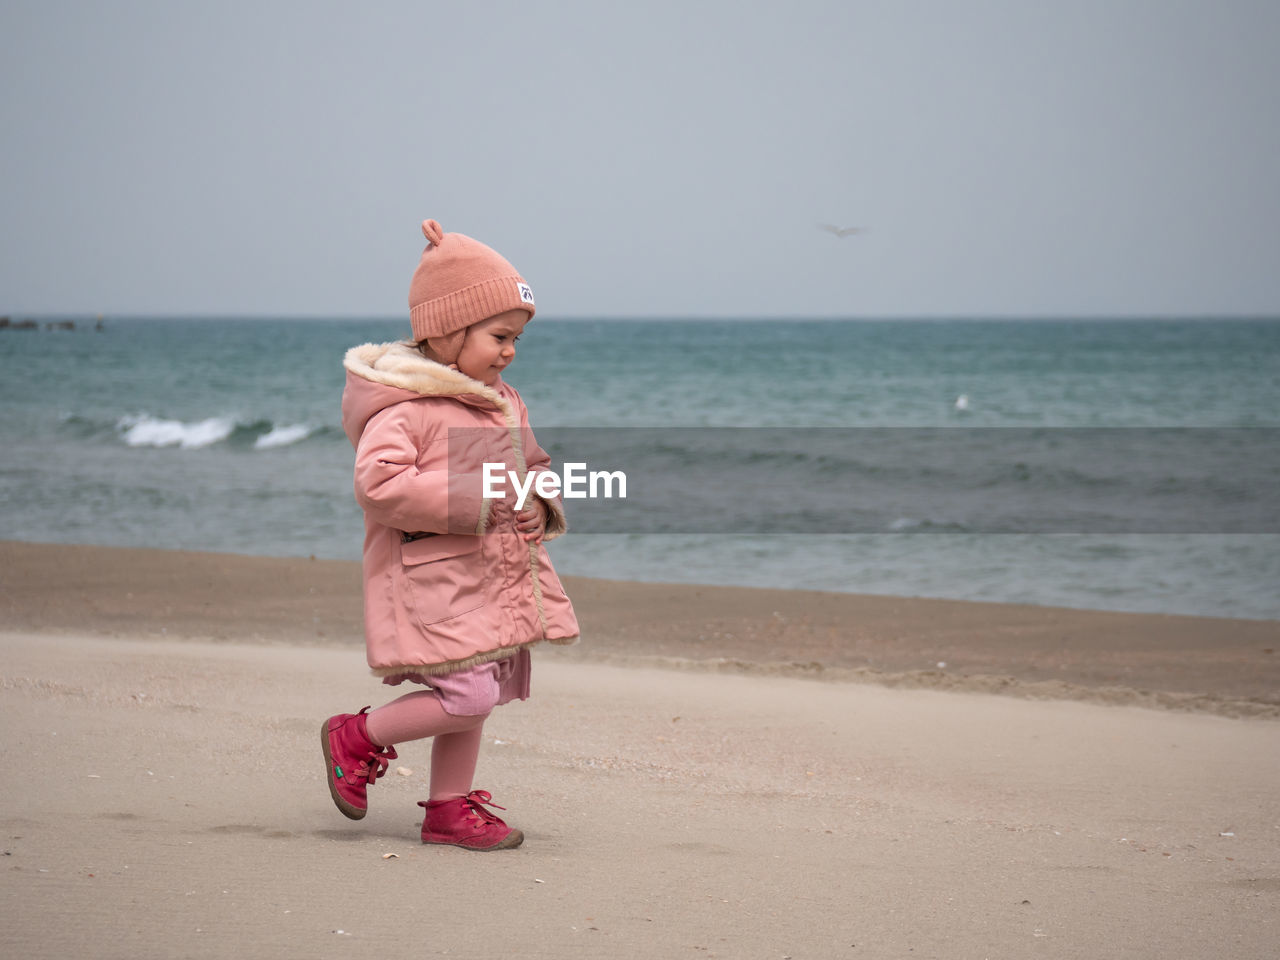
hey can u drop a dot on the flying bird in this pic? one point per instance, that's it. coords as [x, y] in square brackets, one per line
[841, 232]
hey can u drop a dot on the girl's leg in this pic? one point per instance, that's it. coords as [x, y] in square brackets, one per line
[453, 762]
[457, 739]
[415, 716]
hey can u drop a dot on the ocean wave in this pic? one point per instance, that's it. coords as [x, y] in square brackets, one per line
[145, 430]
[914, 525]
[283, 436]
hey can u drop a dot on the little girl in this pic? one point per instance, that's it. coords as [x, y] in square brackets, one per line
[457, 586]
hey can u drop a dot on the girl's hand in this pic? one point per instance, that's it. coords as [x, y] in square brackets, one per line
[531, 522]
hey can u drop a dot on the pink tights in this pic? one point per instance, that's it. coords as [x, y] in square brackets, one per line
[457, 739]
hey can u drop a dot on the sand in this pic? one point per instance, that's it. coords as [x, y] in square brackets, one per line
[711, 773]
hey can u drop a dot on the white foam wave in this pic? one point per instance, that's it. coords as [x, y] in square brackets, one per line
[148, 431]
[282, 436]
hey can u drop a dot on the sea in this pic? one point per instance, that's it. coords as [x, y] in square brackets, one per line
[224, 434]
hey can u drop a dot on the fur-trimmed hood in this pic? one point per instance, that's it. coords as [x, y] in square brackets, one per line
[380, 374]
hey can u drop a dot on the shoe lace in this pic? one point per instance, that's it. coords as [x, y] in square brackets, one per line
[375, 764]
[477, 800]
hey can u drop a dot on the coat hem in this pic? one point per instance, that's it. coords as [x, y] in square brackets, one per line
[452, 666]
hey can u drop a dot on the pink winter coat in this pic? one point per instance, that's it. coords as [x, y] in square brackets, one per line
[448, 581]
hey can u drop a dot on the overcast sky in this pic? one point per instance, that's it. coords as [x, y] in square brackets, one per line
[1006, 157]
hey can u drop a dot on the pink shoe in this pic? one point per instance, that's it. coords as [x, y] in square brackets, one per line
[352, 761]
[463, 822]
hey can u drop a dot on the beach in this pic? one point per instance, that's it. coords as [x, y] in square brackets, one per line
[711, 772]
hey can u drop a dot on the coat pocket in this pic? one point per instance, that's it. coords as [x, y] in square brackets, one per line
[444, 576]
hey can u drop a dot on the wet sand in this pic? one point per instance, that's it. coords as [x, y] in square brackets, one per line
[1212, 664]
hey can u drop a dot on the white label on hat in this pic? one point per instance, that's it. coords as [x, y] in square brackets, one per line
[526, 292]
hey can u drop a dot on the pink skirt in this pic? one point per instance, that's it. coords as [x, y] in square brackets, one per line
[474, 690]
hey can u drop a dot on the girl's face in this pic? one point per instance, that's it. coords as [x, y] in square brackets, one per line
[490, 346]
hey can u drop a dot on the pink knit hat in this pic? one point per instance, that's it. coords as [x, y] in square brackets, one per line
[460, 281]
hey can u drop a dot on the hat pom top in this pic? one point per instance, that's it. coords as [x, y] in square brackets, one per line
[432, 231]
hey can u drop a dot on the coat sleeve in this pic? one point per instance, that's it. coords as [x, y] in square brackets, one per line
[403, 480]
[537, 461]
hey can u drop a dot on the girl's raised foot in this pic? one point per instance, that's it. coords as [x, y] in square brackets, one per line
[352, 761]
